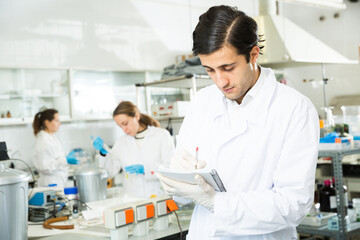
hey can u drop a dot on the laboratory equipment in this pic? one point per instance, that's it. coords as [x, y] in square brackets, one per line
[356, 141]
[13, 203]
[351, 116]
[164, 207]
[327, 198]
[329, 119]
[48, 224]
[356, 205]
[71, 194]
[317, 218]
[117, 219]
[174, 109]
[134, 185]
[43, 202]
[138, 213]
[3, 151]
[333, 141]
[92, 183]
[143, 212]
[43, 197]
[100, 145]
[41, 213]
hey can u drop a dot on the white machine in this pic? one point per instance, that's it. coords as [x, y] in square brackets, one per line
[117, 219]
[174, 109]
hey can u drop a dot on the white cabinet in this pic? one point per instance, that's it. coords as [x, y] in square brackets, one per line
[23, 92]
[76, 94]
[190, 82]
[183, 85]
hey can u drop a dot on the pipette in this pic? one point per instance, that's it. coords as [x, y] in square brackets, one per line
[104, 146]
[196, 156]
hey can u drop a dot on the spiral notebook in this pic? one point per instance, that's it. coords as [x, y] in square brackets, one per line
[211, 177]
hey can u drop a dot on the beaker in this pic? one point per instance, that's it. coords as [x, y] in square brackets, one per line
[329, 122]
[134, 185]
[351, 116]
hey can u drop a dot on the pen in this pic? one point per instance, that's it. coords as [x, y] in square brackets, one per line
[196, 156]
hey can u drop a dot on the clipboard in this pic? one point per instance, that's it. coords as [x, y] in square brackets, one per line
[211, 177]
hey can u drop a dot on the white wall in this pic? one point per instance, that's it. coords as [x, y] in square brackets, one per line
[343, 35]
[143, 35]
[96, 34]
[20, 140]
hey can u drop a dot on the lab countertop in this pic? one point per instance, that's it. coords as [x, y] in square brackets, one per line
[97, 232]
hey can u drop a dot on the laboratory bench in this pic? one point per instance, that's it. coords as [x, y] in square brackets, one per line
[99, 232]
[90, 224]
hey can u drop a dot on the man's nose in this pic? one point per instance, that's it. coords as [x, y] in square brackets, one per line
[222, 79]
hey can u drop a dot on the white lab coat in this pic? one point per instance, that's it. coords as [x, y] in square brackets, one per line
[267, 161]
[157, 149]
[49, 160]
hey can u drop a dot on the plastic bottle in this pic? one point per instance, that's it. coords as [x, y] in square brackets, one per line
[71, 193]
[327, 198]
[356, 205]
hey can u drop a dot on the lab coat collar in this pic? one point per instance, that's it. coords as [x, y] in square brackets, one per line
[258, 102]
[151, 131]
[259, 105]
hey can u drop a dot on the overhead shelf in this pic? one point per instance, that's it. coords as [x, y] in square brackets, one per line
[184, 81]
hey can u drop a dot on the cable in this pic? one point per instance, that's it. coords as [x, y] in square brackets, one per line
[83, 203]
[177, 219]
[28, 166]
[54, 212]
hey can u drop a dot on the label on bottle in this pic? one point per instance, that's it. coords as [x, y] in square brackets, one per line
[333, 202]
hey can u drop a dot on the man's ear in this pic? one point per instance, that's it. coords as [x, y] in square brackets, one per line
[254, 54]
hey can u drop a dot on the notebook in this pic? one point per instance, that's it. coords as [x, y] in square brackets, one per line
[211, 177]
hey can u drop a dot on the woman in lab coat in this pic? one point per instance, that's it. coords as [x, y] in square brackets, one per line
[49, 157]
[140, 152]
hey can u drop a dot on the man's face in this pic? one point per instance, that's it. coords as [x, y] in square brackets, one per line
[230, 72]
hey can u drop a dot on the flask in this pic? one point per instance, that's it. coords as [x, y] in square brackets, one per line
[327, 198]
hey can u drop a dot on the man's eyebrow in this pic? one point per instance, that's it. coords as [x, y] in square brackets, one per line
[221, 66]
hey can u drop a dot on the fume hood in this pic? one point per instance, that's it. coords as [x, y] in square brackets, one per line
[288, 45]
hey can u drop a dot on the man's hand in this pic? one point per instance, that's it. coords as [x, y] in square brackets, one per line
[183, 160]
[201, 192]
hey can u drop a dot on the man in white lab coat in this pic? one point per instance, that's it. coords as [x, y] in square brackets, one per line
[261, 137]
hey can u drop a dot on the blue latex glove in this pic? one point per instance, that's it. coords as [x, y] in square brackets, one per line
[332, 135]
[71, 158]
[98, 144]
[136, 168]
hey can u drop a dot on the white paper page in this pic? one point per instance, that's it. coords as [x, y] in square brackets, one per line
[189, 176]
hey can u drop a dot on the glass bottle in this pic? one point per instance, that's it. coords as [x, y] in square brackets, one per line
[327, 198]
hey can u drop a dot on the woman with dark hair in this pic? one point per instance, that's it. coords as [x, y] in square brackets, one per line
[49, 157]
[144, 147]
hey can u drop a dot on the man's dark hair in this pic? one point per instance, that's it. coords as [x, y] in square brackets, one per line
[222, 25]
